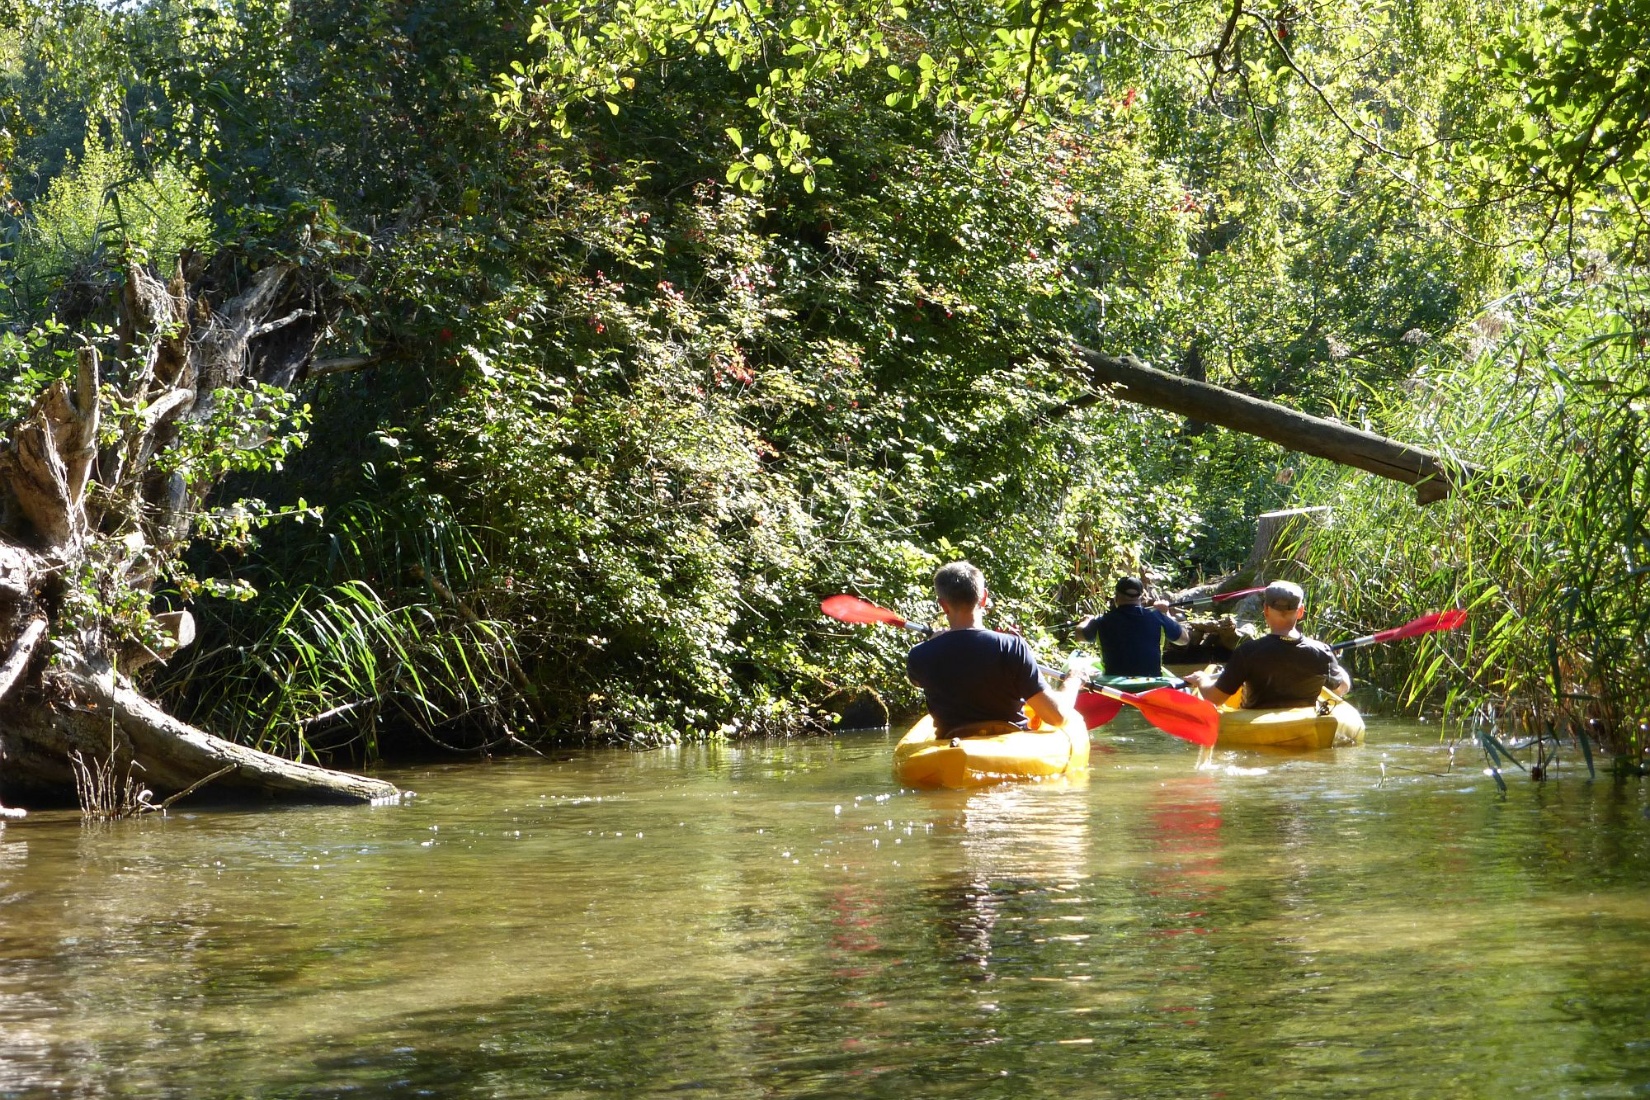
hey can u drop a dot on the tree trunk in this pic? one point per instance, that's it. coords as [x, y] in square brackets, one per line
[89, 518]
[1128, 379]
[1278, 536]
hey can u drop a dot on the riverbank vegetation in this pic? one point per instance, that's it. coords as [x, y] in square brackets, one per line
[639, 328]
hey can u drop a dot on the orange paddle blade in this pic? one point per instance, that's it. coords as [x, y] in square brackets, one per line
[1097, 709]
[1178, 714]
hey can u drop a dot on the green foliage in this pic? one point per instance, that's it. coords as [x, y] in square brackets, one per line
[1000, 65]
[682, 315]
[29, 362]
[244, 429]
[368, 639]
[1573, 112]
[671, 416]
[99, 209]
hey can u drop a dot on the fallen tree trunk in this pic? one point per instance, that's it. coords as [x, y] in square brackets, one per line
[1128, 379]
[101, 487]
[99, 718]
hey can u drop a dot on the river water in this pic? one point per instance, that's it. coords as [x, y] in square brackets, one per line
[782, 920]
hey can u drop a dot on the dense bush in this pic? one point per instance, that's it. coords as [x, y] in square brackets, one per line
[620, 379]
[1548, 548]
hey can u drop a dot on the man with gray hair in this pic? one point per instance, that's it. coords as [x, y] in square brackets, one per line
[1282, 669]
[979, 682]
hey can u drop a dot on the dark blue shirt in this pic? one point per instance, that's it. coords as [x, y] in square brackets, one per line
[975, 675]
[1131, 640]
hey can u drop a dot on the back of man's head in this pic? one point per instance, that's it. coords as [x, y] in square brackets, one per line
[959, 583]
[1283, 596]
[1129, 588]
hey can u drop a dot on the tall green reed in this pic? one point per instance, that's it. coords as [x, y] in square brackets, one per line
[1549, 549]
[391, 644]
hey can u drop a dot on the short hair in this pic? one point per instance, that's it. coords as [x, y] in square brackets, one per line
[1283, 596]
[960, 583]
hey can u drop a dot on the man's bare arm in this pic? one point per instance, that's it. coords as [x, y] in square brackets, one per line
[1204, 683]
[1057, 707]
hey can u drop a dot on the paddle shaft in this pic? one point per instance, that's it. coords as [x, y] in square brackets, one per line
[1176, 713]
[1218, 597]
[1431, 623]
[1188, 601]
[872, 613]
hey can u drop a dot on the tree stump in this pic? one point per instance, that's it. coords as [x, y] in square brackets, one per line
[1278, 537]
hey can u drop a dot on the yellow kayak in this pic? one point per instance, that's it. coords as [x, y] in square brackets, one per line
[1294, 728]
[921, 761]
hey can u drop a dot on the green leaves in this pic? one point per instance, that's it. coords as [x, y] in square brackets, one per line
[1577, 98]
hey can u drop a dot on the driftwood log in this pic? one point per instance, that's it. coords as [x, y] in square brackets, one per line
[90, 510]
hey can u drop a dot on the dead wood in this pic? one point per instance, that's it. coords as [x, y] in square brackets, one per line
[1128, 379]
[86, 523]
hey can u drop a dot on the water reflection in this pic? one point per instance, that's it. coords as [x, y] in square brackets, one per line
[784, 921]
[1017, 843]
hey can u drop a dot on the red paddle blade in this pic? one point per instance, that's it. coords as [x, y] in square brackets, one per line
[1238, 594]
[1218, 597]
[1097, 709]
[852, 609]
[1178, 714]
[1426, 624]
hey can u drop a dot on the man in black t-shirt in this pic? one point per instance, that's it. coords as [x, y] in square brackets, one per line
[1282, 669]
[979, 681]
[1131, 634]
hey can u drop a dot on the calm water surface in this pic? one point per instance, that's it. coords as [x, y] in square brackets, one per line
[782, 920]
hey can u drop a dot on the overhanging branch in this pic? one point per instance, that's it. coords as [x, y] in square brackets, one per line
[1128, 379]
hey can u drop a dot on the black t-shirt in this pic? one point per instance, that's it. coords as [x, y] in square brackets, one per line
[975, 675]
[1279, 672]
[1131, 640]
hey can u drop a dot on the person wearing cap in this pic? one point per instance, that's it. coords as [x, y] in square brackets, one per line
[1131, 633]
[1282, 668]
[979, 682]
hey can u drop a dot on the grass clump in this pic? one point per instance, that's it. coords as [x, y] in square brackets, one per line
[1549, 550]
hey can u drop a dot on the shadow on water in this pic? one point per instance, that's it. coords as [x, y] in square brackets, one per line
[783, 921]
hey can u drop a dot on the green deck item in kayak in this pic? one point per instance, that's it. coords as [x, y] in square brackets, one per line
[1134, 685]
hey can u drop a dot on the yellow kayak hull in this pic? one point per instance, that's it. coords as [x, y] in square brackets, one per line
[1297, 729]
[921, 761]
